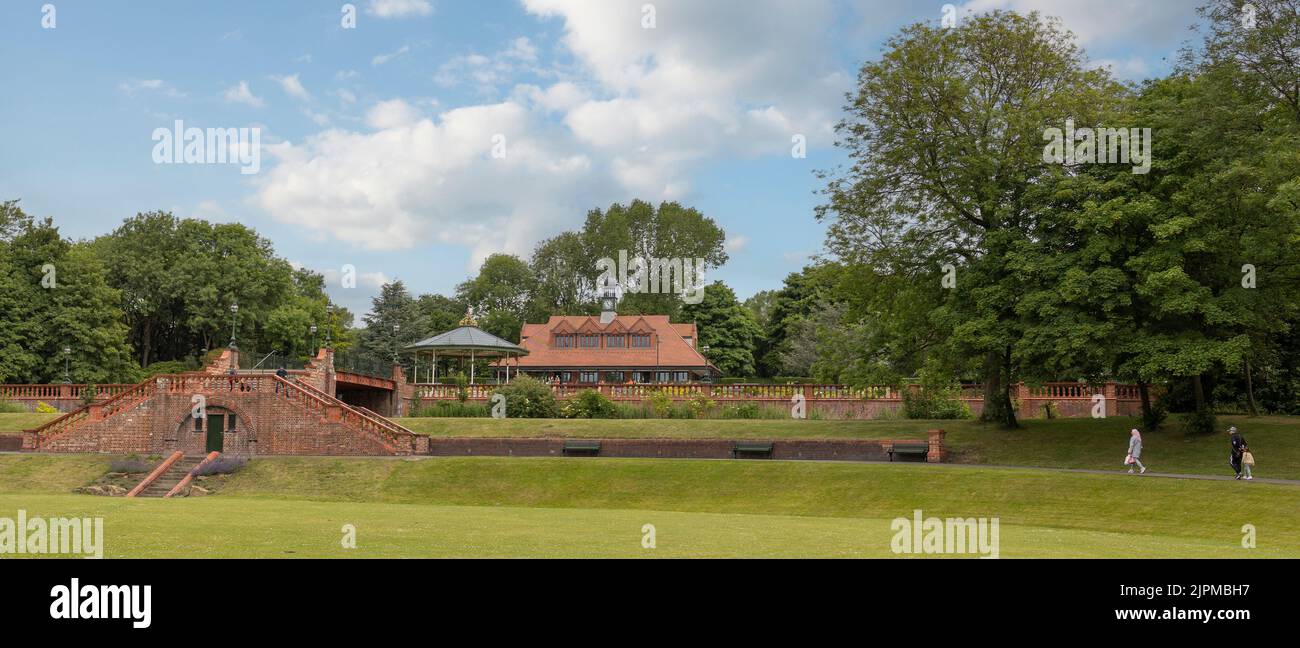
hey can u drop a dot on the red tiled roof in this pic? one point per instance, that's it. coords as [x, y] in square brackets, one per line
[672, 350]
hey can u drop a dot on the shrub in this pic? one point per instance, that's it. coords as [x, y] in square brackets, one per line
[130, 465]
[45, 408]
[221, 466]
[741, 411]
[589, 404]
[1200, 422]
[933, 403]
[1050, 411]
[1151, 421]
[529, 398]
[167, 367]
[462, 387]
[453, 409]
[661, 404]
[9, 407]
[702, 405]
[89, 394]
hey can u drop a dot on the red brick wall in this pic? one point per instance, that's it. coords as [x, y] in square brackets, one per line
[813, 449]
[265, 425]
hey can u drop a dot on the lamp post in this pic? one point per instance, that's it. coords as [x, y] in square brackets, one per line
[234, 323]
[67, 376]
[313, 339]
[329, 325]
[396, 328]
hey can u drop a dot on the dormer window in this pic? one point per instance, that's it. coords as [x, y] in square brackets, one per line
[615, 341]
[564, 341]
[640, 341]
[590, 341]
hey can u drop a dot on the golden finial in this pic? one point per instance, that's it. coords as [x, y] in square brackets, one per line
[469, 319]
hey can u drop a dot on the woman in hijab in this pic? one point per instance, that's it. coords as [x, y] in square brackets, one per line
[1134, 452]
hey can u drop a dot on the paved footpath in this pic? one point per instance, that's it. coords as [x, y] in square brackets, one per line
[1124, 473]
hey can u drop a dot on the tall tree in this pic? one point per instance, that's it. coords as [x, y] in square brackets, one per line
[727, 328]
[946, 137]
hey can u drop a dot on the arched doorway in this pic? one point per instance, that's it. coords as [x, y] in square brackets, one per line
[209, 432]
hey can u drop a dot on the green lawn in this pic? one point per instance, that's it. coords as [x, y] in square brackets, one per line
[15, 423]
[1061, 443]
[492, 507]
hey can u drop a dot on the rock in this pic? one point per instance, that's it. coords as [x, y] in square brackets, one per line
[199, 491]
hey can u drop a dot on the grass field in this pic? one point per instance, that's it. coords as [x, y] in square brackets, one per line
[1062, 443]
[496, 507]
[11, 423]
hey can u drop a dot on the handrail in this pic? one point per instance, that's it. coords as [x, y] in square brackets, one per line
[157, 472]
[389, 433]
[189, 476]
[377, 418]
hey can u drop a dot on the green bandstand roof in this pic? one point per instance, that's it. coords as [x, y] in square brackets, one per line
[465, 340]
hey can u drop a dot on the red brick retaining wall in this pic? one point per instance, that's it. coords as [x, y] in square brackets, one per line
[804, 449]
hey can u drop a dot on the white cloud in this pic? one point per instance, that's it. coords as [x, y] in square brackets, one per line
[1133, 68]
[345, 75]
[737, 243]
[320, 119]
[399, 8]
[130, 88]
[714, 78]
[395, 113]
[292, 87]
[1102, 21]
[384, 58]
[305, 58]
[487, 72]
[241, 93]
[414, 179]
[632, 114]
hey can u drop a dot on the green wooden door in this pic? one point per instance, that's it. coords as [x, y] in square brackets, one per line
[216, 432]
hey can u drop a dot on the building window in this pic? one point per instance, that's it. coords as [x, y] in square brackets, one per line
[664, 377]
[198, 424]
[590, 341]
[614, 377]
[643, 377]
[564, 341]
[641, 341]
[588, 377]
[615, 341]
[683, 377]
[566, 377]
[690, 341]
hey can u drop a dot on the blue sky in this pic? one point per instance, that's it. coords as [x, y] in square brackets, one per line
[377, 141]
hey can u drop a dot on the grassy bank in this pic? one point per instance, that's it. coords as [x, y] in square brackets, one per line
[1062, 443]
[14, 423]
[557, 507]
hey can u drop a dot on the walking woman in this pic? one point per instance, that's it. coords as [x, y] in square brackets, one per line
[1134, 452]
[1241, 456]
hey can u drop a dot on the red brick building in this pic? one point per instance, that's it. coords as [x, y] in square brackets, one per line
[612, 349]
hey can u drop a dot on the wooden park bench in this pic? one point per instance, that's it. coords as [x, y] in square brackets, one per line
[909, 448]
[581, 448]
[752, 450]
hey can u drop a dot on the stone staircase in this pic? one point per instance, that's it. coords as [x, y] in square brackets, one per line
[165, 482]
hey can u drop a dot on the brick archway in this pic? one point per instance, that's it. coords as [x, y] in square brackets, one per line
[241, 442]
